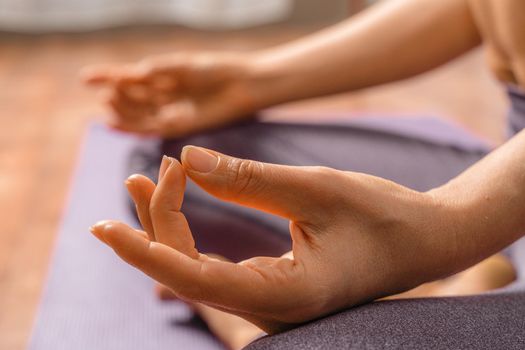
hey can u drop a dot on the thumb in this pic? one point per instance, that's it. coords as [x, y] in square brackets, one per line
[296, 193]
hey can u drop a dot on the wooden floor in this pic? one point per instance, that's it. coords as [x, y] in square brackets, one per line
[44, 111]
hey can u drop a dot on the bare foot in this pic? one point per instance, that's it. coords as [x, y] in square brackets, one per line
[231, 330]
[492, 273]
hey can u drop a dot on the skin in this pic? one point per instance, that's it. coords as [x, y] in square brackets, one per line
[334, 234]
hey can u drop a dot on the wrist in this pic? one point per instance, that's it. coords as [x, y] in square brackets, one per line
[426, 242]
[461, 228]
[270, 81]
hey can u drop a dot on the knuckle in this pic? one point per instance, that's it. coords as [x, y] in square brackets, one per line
[245, 177]
[324, 173]
[333, 184]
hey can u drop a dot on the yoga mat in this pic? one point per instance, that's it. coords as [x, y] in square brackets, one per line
[93, 300]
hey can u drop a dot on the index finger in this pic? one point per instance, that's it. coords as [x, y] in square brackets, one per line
[112, 74]
[141, 190]
[206, 280]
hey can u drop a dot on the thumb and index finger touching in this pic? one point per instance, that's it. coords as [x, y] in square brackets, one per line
[290, 192]
[275, 189]
[158, 207]
[175, 262]
[282, 190]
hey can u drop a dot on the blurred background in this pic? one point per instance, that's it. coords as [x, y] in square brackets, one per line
[44, 109]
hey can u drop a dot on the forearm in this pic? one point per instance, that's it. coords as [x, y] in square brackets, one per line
[489, 202]
[388, 42]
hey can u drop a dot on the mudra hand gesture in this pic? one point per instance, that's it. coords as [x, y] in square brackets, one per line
[355, 238]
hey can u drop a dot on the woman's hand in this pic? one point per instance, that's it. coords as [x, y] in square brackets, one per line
[178, 94]
[355, 237]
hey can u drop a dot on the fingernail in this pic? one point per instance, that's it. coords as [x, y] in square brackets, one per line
[131, 180]
[172, 162]
[166, 160]
[199, 160]
[128, 182]
[164, 164]
[130, 185]
[100, 225]
[98, 229]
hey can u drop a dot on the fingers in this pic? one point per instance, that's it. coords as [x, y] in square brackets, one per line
[296, 193]
[146, 128]
[159, 76]
[100, 75]
[93, 75]
[141, 190]
[178, 118]
[159, 211]
[151, 257]
[208, 280]
[169, 224]
[163, 167]
[129, 109]
[111, 74]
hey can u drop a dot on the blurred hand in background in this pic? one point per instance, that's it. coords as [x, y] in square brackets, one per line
[178, 94]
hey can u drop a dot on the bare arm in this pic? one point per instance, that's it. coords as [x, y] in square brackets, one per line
[186, 92]
[490, 197]
[390, 41]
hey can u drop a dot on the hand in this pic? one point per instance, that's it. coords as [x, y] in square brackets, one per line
[355, 237]
[179, 94]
